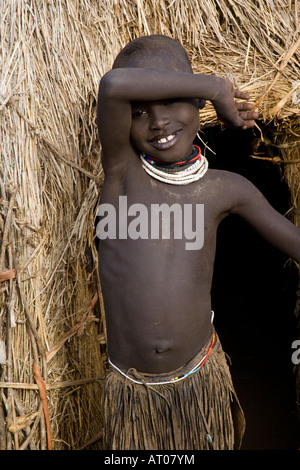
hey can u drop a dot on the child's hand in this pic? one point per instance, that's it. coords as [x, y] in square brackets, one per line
[232, 113]
[245, 109]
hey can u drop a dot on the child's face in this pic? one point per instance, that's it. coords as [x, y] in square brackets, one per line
[165, 129]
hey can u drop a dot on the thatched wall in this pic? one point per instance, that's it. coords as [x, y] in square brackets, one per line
[51, 59]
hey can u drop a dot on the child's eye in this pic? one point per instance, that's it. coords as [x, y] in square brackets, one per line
[167, 102]
[138, 113]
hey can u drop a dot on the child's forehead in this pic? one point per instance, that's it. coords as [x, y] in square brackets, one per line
[149, 103]
[159, 61]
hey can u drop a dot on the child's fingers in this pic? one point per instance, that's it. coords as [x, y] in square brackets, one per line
[242, 106]
[244, 120]
[249, 124]
[248, 118]
[241, 94]
[249, 115]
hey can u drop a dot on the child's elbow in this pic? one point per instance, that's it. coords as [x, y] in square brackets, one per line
[109, 84]
[296, 251]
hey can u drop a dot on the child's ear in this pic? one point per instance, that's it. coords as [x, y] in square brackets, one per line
[201, 104]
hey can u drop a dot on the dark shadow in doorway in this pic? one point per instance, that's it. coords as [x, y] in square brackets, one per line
[253, 296]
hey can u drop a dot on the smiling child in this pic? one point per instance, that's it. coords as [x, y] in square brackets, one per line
[168, 386]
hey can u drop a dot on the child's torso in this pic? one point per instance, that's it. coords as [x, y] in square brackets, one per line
[156, 289]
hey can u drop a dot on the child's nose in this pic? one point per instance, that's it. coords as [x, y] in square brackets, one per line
[159, 118]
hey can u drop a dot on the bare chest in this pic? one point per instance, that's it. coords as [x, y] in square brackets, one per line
[143, 208]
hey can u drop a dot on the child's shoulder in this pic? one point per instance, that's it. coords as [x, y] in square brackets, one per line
[232, 187]
[227, 178]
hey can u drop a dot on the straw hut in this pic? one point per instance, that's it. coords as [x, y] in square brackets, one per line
[52, 55]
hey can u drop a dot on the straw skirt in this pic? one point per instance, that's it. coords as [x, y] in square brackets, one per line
[200, 412]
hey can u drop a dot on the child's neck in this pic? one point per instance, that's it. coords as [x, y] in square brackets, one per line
[178, 164]
[184, 171]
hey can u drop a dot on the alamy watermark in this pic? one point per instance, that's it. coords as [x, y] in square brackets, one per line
[158, 221]
[296, 354]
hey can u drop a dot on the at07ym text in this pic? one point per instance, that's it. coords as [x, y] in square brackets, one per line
[171, 459]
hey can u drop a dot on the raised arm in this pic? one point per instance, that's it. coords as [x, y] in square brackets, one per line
[120, 87]
[251, 205]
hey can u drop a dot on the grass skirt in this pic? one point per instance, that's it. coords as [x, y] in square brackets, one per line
[200, 412]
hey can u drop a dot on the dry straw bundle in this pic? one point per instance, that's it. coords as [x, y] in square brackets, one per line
[53, 53]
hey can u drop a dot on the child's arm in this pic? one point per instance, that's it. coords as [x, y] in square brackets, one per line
[119, 87]
[251, 205]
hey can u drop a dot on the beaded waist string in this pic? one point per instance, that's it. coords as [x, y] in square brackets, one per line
[174, 379]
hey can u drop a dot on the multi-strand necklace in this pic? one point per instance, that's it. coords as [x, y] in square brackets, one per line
[183, 171]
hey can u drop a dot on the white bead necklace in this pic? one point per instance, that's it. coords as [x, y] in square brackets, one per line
[193, 173]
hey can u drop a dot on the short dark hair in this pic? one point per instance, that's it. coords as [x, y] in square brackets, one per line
[142, 49]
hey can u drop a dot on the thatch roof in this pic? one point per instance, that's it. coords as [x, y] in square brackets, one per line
[52, 57]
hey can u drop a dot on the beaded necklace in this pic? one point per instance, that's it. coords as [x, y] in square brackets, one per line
[181, 172]
[175, 166]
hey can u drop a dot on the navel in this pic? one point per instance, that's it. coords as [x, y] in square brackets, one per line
[162, 346]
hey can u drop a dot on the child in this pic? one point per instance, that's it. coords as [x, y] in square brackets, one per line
[168, 385]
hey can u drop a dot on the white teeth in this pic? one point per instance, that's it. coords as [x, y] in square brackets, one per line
[163, 140]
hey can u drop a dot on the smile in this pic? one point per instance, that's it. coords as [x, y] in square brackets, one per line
[164, 142]
[168, 138]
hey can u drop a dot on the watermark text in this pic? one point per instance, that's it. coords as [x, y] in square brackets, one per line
[156, 221]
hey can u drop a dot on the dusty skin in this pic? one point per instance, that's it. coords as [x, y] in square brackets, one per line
[157, 293]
